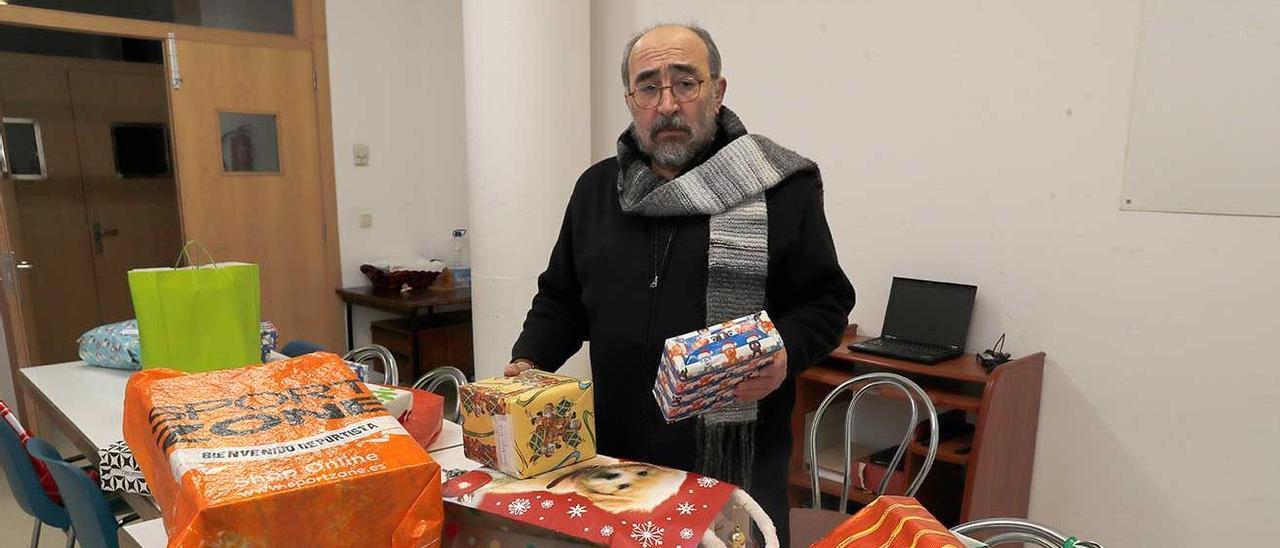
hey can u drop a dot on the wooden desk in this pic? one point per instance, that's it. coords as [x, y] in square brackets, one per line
[411, 304]
[995, 464]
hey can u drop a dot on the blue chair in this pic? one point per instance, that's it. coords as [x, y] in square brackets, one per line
[91, 517]
[298, 347]
[25, 485]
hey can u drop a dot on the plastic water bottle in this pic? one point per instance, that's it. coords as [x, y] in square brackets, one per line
[460, 264]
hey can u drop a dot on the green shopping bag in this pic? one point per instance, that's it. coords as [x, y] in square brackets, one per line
[200, 317]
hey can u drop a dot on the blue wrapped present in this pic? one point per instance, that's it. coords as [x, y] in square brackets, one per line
[117, 345]
[270, 338]
[700, 369]
[114, 345]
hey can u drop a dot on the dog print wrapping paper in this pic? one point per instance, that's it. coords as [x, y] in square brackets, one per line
[529, 424]
[604, 501]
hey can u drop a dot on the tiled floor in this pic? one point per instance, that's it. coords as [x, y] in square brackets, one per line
[15, 525]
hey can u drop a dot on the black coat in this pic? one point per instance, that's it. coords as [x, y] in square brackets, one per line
[597, 287]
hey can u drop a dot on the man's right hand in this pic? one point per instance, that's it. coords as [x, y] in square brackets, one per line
[517, 367]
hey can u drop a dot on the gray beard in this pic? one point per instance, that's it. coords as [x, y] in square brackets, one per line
[678, 155]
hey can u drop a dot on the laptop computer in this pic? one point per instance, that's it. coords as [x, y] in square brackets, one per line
[925, 321]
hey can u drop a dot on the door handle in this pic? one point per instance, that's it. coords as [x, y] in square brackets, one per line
[99, 234]
[24, 265]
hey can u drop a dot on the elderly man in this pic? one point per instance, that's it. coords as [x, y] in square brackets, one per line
[694, 222]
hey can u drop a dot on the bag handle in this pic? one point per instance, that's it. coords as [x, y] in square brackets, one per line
[184, 253]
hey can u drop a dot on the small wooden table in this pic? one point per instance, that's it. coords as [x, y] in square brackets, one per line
[991, 468]
[407, 303]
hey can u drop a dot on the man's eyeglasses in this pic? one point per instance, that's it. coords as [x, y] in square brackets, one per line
[648, 96]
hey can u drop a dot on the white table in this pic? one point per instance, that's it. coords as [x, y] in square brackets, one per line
[87, 405]
[85, 402]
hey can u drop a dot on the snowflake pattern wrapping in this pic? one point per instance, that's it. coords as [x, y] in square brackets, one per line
[665, 508]
[647, 534]
[518, 507]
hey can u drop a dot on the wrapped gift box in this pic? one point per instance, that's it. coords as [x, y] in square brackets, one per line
[700, 369]
[529, 424]
[118, 471]
[270, 338]
[117, 345]
[891, 522]
[398, 401]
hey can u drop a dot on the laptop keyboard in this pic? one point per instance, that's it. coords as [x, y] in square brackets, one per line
[915, 348]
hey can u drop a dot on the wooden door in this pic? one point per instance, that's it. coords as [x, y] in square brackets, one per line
[133, 215]
[59, 288]
[15, 308]
[273, 216]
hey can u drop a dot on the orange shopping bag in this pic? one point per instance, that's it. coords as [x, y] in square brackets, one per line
[891, 522]
[290, 453]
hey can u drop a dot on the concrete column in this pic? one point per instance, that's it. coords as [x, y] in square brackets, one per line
[527, 68]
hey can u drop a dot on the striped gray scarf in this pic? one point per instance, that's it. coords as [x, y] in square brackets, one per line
[730, 187]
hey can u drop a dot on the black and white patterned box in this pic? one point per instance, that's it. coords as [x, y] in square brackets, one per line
[120, 471]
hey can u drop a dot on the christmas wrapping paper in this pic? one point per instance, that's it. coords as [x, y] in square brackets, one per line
[605, 501]
[891, 522]
[529, 424]
[700, 369]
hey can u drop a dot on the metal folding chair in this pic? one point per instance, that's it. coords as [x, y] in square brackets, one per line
[440, 376]
[366, 355]
[810, 524]
[998, 531]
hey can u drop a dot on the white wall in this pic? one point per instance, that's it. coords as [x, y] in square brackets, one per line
[983, 142]
[396, 82]
[527, 68]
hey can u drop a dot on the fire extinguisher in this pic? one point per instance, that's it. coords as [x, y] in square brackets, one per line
[239, 142]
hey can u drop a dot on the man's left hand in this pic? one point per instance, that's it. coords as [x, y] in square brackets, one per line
[765, 381]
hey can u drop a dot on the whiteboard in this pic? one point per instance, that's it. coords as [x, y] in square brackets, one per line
[1204, 126]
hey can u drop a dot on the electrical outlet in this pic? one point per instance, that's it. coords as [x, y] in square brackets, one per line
[366, 219]
[360, 152]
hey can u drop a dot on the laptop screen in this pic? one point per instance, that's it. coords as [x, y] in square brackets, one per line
[935, 313]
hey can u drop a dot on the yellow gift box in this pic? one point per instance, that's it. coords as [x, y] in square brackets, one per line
[529, 424]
